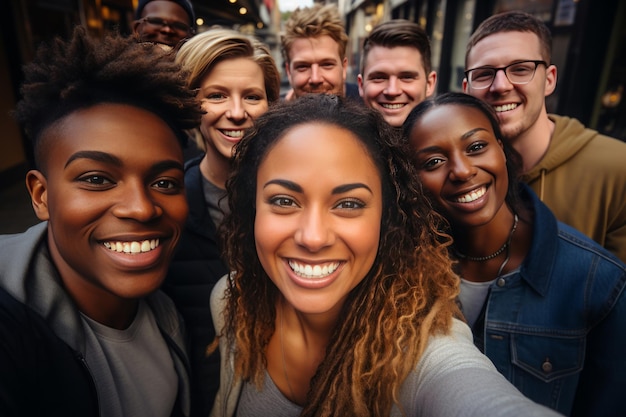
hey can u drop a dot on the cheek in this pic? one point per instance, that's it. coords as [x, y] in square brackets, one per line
[257, 111]
[176, 208]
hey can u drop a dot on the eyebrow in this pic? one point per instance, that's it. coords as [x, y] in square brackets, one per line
[95, 156]
[290, 185]
[107, 158]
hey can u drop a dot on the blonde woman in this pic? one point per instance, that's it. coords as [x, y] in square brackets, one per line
[236, 80]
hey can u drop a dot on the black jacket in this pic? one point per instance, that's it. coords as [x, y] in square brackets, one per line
[42, 369]
[196, 268]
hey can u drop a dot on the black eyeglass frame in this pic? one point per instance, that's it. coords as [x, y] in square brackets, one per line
[176, 26]
[504, 69]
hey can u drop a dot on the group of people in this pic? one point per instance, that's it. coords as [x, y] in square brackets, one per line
[368, 249]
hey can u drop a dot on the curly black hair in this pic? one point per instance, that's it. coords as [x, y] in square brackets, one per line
[66, 76]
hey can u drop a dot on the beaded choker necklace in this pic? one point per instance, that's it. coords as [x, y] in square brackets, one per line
[496, 253]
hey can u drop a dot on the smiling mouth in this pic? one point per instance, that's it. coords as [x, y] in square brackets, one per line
[505, 107]
[313, 271]
[471, 196]
[392, 106]
[132, 246]
[235, 134]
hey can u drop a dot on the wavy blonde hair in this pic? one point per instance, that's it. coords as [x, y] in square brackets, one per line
[408, 295]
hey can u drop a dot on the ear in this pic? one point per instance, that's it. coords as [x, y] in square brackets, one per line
[359, 80]
[37, 185]
[551, 76]
[431, 82]
[465, 85]
[345, 69]
[135, 27]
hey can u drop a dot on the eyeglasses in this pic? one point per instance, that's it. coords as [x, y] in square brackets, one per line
[517, 73]
[158, 23]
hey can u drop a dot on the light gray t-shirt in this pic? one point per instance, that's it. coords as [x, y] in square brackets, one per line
[132, 368]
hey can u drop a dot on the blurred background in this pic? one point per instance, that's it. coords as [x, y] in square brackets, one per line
[589, 49]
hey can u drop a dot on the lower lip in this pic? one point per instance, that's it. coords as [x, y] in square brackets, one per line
[230, 138]
[140, 260]
[313, 283]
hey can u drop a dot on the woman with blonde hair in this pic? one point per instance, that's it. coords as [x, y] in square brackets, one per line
[236, 80]
[342, 297]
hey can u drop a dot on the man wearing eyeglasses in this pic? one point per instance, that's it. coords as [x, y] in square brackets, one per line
[166, 22]
[578, 173]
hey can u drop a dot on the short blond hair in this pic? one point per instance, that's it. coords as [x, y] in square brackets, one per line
[313, 22]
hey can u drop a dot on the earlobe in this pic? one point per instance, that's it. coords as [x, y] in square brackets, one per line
[38, 188]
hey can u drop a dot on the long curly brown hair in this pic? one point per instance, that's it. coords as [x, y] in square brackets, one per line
[408, 295]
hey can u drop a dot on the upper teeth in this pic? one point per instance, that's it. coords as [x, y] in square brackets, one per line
[233, 133]
[392, 106]
[505, 107]
[132, 247]
[474, 195]
[313, 271]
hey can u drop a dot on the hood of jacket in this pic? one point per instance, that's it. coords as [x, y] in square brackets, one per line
[568, 138]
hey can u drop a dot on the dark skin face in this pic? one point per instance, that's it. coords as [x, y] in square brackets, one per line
[112, 193]
[167, 11]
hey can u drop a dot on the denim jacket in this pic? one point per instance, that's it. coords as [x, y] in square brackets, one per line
[556, 326]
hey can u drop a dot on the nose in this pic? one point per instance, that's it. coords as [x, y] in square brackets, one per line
[314, 231]
[237, 112]
[136, 203]
[500, 82]
[316, 75]
[392, 86]
[461, 169]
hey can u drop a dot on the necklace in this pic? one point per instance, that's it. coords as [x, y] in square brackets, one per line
[282, 351]
[496, 253]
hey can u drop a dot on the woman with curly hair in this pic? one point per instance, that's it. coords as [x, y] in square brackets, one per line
[545, 303]
[342, 299]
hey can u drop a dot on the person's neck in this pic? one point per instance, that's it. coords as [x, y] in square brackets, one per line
[215, 168]
[483, 240]
[534, 142]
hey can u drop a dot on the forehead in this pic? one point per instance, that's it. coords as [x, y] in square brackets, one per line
[165, 9]
[232, 69]
[394, 59]
[450, 121]
[503, 48]
[120, 129]
[314, 49]
[329, 151]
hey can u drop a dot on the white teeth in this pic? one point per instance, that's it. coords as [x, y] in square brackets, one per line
[505, 107]
[132, 247]
[313, 271]
[233, 133]
[392, 106]
[473, 196]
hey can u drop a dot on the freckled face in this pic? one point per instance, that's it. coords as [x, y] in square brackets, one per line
[318, 214]
[233, 96]
[394, 82]
[114, 198]
[461, 163]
